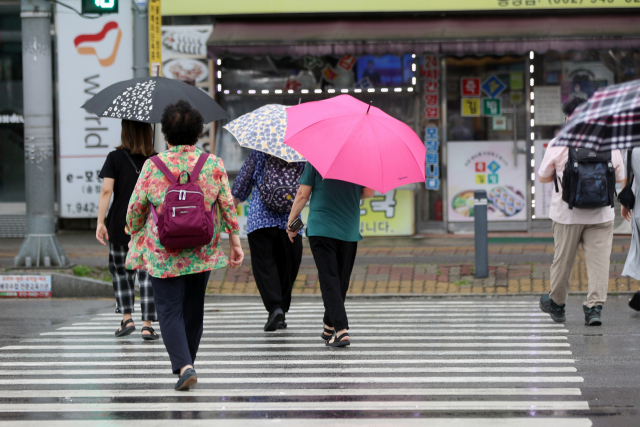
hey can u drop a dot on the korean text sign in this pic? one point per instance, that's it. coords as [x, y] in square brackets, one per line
[25, 286]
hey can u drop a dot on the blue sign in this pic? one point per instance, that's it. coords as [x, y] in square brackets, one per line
[433, 171]
[433, 158]
[493, 166]
[431, 133]
[432, 146]
[493, 86]
[433, 184]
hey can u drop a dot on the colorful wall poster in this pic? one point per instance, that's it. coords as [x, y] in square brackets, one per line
[489, 166]
[544, 192]
[470, 107]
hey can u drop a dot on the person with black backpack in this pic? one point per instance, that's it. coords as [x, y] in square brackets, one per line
[582, 214]
[119, 176]
[272, 184]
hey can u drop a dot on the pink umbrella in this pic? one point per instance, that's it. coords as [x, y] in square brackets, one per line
[346, 139]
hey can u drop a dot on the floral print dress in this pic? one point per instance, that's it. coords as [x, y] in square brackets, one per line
[146, 250]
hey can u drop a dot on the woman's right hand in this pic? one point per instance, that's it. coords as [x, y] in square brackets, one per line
[626, 213]
[102, 234]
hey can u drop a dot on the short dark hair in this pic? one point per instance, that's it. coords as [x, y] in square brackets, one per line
[181, 123]
[570, 106]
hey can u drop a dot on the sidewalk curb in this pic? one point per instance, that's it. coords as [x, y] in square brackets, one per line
[68, 286]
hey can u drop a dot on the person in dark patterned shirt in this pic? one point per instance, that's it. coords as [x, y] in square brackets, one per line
[275, 260]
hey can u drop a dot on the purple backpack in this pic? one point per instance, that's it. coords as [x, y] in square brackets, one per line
[279, 185]
[184, 222]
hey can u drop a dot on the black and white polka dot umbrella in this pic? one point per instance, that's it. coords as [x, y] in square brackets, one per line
[143, 99]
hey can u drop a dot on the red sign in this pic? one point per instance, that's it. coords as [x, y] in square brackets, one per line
[470, 86]
[431, 99]
[432, 112]
[481, 167]
[431, 86]
[347, 62]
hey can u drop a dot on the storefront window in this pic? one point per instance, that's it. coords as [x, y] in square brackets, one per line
[555, 79]
[11, 115]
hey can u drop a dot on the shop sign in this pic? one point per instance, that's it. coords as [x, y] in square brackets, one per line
[470, 86]
[516, 81]
[486, 166]
[493, 87]
[347, 62]
[311, 62]
[185, 41]
[389, 214]
[155, 38]
[27, 286]
[516, 97]
[432, 160]
[470, 107]
[430, 72]
[491, 107]
[548, 106]
[544, 192]
[92, 54]
[500, 123]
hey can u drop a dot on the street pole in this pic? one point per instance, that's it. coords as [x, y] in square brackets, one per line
[40, 247]
[140, 38]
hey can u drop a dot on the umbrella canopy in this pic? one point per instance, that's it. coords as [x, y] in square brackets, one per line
[609, 120]
[263, 130]
[346, 139]
[143, 99]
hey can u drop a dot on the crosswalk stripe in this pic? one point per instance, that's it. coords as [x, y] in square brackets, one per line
[376, 313]
[300, 380]
[369, 422]
[369, 392]
[302, 362]
[317, 353]
[481, 405]
[278, 346]
[423, 327]
[284, 371]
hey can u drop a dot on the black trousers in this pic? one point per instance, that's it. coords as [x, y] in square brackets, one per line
[334, 261]
[180, 306]
[275, 262]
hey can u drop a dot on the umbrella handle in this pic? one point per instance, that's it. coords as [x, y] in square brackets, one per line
[370, 102]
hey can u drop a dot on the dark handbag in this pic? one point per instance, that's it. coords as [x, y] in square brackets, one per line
[626, 196]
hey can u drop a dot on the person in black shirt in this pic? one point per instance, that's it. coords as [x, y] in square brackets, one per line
[119, 176]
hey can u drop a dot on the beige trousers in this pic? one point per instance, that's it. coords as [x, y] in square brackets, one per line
[596, 240]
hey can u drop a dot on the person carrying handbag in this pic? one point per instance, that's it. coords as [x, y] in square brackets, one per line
[119, 176]
[627, 198]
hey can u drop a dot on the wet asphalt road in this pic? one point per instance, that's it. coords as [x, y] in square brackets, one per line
[490, 368]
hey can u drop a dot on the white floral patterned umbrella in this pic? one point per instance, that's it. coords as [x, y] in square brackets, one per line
[143, 99]
[263, 130]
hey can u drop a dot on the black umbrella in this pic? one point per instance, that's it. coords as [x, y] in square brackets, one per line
[143, 99]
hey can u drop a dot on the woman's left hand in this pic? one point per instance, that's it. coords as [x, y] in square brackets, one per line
[236, 256]
[626, 213]
[292, 234]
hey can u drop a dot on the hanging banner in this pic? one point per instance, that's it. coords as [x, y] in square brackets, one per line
[487, 166]
[92, 54]
[25, 286]
[155, 38]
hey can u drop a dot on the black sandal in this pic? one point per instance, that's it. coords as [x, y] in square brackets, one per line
[337, 342]
[125, 330]
[152, 337]
[325, 336]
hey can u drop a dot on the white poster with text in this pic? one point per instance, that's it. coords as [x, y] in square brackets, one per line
[543, 191]
[489, 166]
[92, 54]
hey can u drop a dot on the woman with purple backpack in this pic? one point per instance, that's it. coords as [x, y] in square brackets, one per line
[275, 260]
[181, 203]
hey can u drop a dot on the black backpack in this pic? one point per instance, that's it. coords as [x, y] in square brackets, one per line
[280, 184]
[589, 179]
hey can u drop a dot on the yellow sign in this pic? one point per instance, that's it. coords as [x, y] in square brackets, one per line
[481, 178]
[155, 38]
[390, 214]
[470, 107]
[241, 7]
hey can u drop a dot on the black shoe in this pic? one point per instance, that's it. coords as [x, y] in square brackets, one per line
[282, 325]
[187, 379]
[592, 315]
[556, 311]
[634, 302]
[274, 320]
